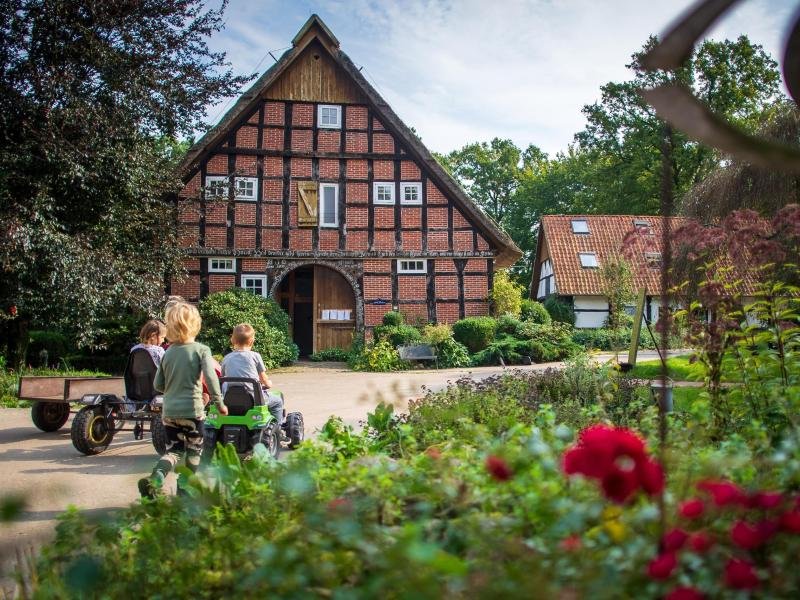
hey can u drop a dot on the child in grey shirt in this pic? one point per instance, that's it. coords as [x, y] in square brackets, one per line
[244, 362]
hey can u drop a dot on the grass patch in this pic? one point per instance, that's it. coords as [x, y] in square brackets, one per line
[680, 369]
[9, 382]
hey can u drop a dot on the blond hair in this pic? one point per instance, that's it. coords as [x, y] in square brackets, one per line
[243, 335]
[151, 328]
[183, 322]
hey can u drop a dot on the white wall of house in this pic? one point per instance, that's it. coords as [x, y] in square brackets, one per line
[590, 311]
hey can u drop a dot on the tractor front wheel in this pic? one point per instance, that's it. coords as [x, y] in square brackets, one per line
[295, 429]
[271, 438]
[91, 433]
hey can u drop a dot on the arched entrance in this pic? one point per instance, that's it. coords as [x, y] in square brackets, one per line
[322, 308]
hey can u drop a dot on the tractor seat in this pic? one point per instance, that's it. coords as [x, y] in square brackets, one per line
[239, 400]
[140, 374]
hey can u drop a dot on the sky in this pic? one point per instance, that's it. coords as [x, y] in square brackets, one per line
[461, 71]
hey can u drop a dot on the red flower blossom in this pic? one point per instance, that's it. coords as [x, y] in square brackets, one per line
[790, 521]
[691, 509]
[701, 542]
[13, 311]
[765, 500]
[571, 543]
[340, 505]
[684, 593]
[662, 566]
[748, 536]
[498, 468]
[434, 453]
[723, 493]
[674, 540]
[740, 574]
[617, 458]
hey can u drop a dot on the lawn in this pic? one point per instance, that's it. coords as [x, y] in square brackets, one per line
[680, 368]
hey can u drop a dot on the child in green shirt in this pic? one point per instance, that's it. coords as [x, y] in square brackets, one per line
[178, 377]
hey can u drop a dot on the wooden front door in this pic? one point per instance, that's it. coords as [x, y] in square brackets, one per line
[321, 306]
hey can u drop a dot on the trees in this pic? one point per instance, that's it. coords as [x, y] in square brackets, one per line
[90, 95]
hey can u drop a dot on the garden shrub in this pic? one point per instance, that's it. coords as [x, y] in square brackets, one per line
[393, 318]
[222, 311]
[331, 354]
[506, 295]
[436, 334]
[476, 333]
[535, 312]
[559, 310]
[397, 335]
[452, 354]
[518, 339]
[379, 356]
[55, 343]
[507, 325]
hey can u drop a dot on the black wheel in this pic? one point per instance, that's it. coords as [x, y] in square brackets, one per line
[90, 430]
[209, 445]
[271, 438]
[294, 429]
[49, 416]
[158, 433]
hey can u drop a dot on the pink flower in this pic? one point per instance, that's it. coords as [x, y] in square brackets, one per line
[790, 521]
[766, 500]
[740, 574]
[662, 566]
[674, 540]
[684, 593]
[747, 536]
[691, 509]
[498, 468]
[701, 542]
[723, 493]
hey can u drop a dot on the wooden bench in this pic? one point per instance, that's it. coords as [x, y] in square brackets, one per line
[418, 352]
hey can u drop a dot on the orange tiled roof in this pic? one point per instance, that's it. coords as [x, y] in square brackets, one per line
[606, 239]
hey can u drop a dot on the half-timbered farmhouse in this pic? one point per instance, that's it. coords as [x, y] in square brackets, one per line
[311, 190]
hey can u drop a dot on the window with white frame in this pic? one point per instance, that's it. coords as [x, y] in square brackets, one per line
[328, 205]
[329, 116]
[216, 186]
[580, 226]
[413, 265]
[383, 192]
[221, 265]
[256, 284]
[411, 193]
[245, 188]
[588, 260]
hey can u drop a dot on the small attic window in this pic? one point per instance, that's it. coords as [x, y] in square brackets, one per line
[329, 116]
[588, 260]
[653, 260]
[642, 226]
[580, 226]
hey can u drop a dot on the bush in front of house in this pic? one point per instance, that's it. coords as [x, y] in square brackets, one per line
[506, 295]
[393, 318]
[450, 353]
[331, 355]
[379, 356]
[476, 333]
[222, 311]
[55, 343]
[560, 310]
[397, 335]
[535, 312]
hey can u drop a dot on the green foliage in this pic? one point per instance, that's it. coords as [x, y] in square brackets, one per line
[559, 310]
[92, 99]
[9, 381]
[54, 343]
[393, 318]
[222, 311]
[617, 287]
[506, 295]
[397, 335]
[331, 354]
[452, 354]
[436, 334]
[379, 356]
[602, 338]
[476, 333]
[535, 312]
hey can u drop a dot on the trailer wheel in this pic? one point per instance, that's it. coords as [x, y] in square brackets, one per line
[159, 435]
[90, 431]
[49, 416]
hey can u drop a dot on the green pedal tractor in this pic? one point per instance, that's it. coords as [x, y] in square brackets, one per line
[249, 421]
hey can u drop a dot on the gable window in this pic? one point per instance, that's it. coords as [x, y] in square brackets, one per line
[221, 265]
[412, 266]
[580, 226]
[329, 116]
[245, 188]
[588, 260]
[256, 284]
[411, 193]
[216, 186]
[328, 205]
[383, 192]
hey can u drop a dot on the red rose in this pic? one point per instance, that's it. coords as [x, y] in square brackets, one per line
[662, 566]
[13, 311]
[674, 540]
[684, 593]
[691, 509]
[575, 460]
[746, 536]
[766, 500]
[790, 521]
[701, 542]
[723, 493]
[619, 485]
[651, 477]
[740, 574]
[498, 468]
[571, 543]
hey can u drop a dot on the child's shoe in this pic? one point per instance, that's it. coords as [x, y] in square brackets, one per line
[150, 487]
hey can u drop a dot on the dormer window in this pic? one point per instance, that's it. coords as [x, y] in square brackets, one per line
[580, 226]
[642, 226]
[653, 259]
[329, 116]
[588, 260]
